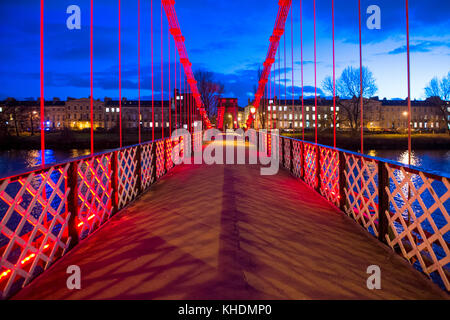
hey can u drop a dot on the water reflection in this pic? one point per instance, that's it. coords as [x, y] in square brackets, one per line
[437, 160]
[15, 160]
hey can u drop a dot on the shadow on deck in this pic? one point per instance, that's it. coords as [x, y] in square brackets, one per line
[226, 232]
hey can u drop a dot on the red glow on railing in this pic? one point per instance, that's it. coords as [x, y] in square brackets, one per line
[4, 274]
[89, 218]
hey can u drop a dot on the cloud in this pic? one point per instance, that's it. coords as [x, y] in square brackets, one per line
[421, 46]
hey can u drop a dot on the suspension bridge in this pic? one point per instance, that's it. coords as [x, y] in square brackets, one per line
[141, 226]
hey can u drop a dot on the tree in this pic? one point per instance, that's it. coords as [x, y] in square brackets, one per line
[348, 87]
[210, 90]
[438, 92]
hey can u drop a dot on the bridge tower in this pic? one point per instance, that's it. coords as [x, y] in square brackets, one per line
[227, 105]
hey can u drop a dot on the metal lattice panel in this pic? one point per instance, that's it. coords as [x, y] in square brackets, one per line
[297, 158]
[280, 150]
[329, 174]
[160, 158]
[310, 165]
[361, 191]
[287, 153]
[94, 193]
[147, 165]
[127, 176]
[33, 227]
[197, 141]
[169, 160]
[418, 205]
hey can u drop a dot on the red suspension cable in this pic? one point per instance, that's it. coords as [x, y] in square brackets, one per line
[153, 92]
[92, 77]
[175, 97]
[334, 78]
[162, 75]
[315, 74]
[139, 71]
[170, 93]
[361, 80]
[409, 81]
[42, 102]
[292, 61]
[120, 85]
[301, 64]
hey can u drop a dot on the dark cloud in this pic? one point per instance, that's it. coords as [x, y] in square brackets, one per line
[421, 46]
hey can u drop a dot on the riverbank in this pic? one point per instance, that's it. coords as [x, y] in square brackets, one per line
[380, 141]
[74, 140]
[103, 140]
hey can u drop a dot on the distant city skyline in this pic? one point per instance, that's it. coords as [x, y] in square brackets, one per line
[229, 38]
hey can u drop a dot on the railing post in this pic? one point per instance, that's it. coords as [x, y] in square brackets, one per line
[115, 181]
[164, 156]
[291, 155]
[281, 149]
[138, 169]
[318, 168]
[302, 161]
[342, 181]
[383, 201]
[153, 166]
[72, 202]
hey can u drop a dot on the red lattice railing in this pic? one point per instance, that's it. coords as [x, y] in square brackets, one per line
[405, 207]
[310, 164]
[297, 158]
[94, 192]
[45, 212]
[34, 225]
[329, 174]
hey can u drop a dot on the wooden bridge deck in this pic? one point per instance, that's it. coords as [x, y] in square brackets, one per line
[226, 232]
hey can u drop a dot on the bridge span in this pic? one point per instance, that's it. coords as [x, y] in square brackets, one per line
[227, 232]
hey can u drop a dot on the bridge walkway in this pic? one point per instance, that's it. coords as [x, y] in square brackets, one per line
[227, 232]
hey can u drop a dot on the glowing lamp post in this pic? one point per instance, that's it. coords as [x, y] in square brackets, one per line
[253, 111]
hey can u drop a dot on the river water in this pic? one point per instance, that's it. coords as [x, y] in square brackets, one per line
[15, 160]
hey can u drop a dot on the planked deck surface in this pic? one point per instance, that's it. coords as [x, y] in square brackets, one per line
[226, 232]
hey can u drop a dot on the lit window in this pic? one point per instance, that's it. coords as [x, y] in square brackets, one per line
[280, 108]
[107, 109]
[307, 108]
[290, 116]
[117, 109]
[150, 124]
[270, 101]
[1, 109]
[268, 108]
[285, 108]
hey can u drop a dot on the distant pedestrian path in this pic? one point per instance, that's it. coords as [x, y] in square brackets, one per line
[226, 232]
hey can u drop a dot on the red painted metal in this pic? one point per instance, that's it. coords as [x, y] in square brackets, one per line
[361, 93]
[334, 78]
[301, 63]
[170, 92]
[120, 84]
[278, 31]
[153, 92]
[315, 74]
[92, 77]
[169, 7]
[162, 75]
[42, 101]
[409, 80]
[139, 71]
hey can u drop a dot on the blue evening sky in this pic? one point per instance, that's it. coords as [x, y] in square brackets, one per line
[229, 38]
